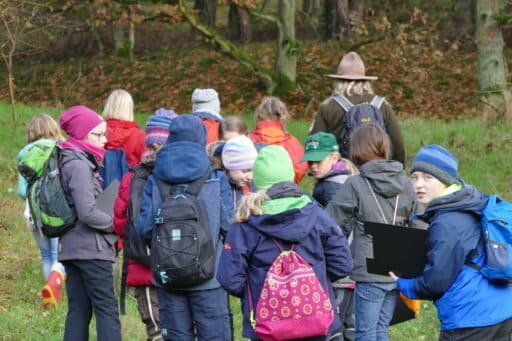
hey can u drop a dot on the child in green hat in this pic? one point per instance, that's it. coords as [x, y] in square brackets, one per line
[326, 165]
[330, 170]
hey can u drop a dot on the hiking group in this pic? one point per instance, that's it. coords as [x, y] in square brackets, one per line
[207, 212]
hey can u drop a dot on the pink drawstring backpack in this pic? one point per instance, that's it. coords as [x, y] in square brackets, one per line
[292, 303]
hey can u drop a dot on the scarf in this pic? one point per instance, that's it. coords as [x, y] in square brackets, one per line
[81, 146]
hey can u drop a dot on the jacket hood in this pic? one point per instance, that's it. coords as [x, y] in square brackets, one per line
[181, 162]
[119, 132]
[293, 225]
[271, 132]
[183, 159]
[387, 177]
[467, 199]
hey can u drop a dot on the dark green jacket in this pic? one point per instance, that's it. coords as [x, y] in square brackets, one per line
[329, 118]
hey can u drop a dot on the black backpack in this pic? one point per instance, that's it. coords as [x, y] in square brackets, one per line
[134, 248]
[182, 247]
[356, 115]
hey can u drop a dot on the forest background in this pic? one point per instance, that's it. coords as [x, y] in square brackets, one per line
[427, 55]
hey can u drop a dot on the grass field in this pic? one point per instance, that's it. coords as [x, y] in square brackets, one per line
[484, 152]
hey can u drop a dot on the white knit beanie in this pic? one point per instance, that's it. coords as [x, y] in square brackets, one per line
[206, 100]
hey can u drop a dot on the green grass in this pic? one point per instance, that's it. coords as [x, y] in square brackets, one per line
[484, 152]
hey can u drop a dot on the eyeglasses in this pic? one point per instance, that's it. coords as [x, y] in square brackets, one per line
[100, 135]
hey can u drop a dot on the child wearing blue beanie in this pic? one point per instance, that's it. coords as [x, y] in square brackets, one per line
[469, 306]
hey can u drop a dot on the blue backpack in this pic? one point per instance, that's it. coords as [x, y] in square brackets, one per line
[114, 166]
[356, 115]
[497, 235]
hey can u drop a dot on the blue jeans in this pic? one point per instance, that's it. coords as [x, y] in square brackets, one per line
[49, 250]
[374, 307]
[206, 310]
[90, 287]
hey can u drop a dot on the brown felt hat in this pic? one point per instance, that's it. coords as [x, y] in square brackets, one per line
[351, 67]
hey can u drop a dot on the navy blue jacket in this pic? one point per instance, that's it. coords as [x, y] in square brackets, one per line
[326, 187]
[463, 297]
[181, 163]
[249, 251]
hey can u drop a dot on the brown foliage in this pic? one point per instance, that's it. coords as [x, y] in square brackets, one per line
[416, 74]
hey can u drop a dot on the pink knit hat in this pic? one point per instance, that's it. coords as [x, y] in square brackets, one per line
[78, 121]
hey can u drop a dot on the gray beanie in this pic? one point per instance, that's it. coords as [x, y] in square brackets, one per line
[206, 100]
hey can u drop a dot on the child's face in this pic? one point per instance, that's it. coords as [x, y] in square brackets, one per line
[241, 177]
[98, 137]
[319, 169]
[426, 187]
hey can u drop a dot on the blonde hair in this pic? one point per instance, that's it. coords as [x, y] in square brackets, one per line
[271, 109]
[348, 88]
[251, 204]
[119, 106]
[215, 161]
[43, 126]
[352, 169]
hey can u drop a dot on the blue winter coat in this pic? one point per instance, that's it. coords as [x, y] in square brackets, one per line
[326, 187]
[463, 297]
[181, 163]
[249, 251]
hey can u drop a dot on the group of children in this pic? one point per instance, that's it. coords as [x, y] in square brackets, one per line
[255, 208]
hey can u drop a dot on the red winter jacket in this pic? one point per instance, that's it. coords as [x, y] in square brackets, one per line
[273, 132]
[128, 136]
[138, 274]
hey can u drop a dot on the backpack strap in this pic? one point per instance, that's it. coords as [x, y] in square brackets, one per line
[342, 101]
[122, 293]
[377, 101]
[194, 187]
[191, 188]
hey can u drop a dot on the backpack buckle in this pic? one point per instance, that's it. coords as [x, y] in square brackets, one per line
[158, 220]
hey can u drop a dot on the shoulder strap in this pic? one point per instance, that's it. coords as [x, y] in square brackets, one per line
[342, 101]
[380, 208]
[377, 101]
[195, 186]
[192, 188]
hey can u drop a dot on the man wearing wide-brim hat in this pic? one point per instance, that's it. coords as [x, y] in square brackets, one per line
[352, 82]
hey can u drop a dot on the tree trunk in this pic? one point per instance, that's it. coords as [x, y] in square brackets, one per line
[357, 10]
[131, 40]
[336, 18]
[492, 68]
[286, 61]
[208, 10]
[463, 20]
[239, 24]
[117, 38]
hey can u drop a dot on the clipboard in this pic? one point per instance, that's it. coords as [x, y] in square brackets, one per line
[396, 248]
[105, 201]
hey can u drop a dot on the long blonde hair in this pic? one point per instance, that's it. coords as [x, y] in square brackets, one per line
[251, 204]
[43, 126]
[348, 88]
[119, 106]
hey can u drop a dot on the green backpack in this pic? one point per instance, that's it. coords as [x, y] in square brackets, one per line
[40, 166]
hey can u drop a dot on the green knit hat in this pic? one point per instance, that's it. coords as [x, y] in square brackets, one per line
[272, 165]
